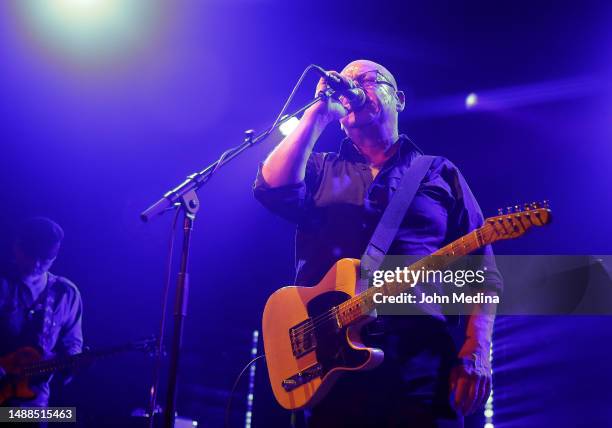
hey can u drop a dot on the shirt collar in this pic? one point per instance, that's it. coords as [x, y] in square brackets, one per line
[407, 149]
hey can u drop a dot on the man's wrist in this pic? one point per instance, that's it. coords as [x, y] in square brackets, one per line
[316, 117]
[474, 353]
[471, 346]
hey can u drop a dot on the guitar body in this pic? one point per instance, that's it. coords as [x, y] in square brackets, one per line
[304, 361]
[27, 363]
[15, 385]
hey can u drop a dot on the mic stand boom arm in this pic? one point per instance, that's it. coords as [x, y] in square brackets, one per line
[194, 181]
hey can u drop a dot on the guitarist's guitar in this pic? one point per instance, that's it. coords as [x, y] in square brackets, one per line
[27, 363]
[312, 334]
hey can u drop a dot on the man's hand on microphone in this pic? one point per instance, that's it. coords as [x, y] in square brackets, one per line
[330, 109]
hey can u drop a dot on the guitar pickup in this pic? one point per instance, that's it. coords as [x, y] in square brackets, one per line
[302, 337]
[302, 377]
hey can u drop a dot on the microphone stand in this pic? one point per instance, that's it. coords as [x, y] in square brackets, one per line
[184, 197]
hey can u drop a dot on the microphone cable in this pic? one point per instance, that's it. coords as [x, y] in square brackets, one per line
[231, 395]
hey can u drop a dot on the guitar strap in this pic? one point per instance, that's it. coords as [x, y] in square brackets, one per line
[45, 336]
[390, 222]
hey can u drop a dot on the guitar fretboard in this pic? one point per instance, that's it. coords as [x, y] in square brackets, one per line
[71, 361]
[362, 304]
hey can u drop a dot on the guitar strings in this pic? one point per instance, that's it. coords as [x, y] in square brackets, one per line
[317, 321]
[330, 314]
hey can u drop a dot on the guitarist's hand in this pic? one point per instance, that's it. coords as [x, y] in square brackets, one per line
[470, 379]
[329, 109]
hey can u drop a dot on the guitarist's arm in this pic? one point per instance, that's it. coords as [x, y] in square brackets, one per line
[290, 174]
[70, 341]
[287, 162]
[470, 381]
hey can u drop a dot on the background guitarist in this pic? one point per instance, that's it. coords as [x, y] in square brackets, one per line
[37, 308]
[336, 200]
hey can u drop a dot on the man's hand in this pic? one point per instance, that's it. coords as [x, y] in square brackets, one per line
[470, 380]
[330, 109]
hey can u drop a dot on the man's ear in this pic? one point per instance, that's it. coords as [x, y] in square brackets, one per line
[401, 101]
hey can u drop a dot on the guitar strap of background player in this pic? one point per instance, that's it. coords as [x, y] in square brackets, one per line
[390, 222]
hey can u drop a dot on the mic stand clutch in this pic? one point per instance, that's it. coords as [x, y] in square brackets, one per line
[184, 197]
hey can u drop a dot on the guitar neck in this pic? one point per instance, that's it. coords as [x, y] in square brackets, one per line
[361, 305]
[71, 361]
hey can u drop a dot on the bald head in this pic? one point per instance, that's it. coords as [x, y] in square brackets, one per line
[360, 66]
[379, 115]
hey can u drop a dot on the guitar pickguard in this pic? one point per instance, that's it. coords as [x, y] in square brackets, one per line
[332, 348]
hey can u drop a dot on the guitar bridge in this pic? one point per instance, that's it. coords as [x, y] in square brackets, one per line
[302, 377]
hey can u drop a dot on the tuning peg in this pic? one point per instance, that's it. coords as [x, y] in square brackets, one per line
[517, 209]
[500, 211]
[545, 203]
[526, 207]
[508, 210]
[534, 205]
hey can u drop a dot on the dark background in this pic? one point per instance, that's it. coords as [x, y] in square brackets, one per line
[91, 137]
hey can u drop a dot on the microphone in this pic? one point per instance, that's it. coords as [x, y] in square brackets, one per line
[355, 96]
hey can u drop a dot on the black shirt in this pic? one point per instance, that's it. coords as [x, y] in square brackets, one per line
[338, 205]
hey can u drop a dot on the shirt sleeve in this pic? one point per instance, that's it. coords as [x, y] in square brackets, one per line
[465, 215]
[291, 201]
[71, 334]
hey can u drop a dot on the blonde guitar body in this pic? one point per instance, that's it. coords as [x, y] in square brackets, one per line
[302, 371]
[312, 334]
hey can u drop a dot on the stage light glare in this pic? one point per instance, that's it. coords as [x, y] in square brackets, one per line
[488, 413]
[489, 425]
[86, 29]
[471, 100]
[80, 3]
[288, 126]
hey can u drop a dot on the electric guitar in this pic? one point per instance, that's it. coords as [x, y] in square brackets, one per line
[27, 363]
[312, 334]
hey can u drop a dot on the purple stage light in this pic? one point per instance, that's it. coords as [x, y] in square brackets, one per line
[509, 97]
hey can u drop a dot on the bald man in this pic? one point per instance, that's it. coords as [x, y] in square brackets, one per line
[336, 201]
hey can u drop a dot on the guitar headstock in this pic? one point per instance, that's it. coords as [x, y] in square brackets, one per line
[516, 221]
